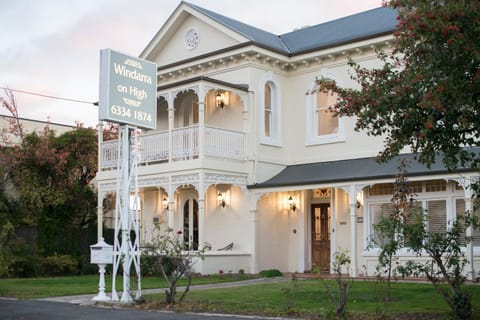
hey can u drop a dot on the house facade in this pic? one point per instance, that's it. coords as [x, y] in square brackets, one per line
[248, 161]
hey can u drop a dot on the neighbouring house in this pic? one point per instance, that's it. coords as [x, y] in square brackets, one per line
[28, 126]
[247, 157]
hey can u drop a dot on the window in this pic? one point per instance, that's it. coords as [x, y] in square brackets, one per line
[267, 106]
[437, 216]
[270, 114]
[460, 211]
[440, 202]
[326, 120]
[323, 125]
[378, 211]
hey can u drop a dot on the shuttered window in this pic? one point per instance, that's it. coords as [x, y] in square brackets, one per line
[377, 211]
[460, 212]
[437, 216]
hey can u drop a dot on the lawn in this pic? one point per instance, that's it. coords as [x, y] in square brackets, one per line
[308, 298]
[304, 298]
[31, 288]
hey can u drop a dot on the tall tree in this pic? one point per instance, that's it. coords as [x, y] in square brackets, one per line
[426, 96]
[46, 183]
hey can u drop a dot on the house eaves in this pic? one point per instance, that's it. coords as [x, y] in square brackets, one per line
[240, 87]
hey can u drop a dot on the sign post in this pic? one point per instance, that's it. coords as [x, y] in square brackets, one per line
[128, 88]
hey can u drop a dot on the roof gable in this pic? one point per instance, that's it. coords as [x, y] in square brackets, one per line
[360, 26]
[254, 34]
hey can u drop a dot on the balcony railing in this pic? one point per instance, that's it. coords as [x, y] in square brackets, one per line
[154, 147]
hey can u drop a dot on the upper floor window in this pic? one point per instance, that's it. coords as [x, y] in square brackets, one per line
[270, 116]
[267, 107]
[323, 125]
[326, 120]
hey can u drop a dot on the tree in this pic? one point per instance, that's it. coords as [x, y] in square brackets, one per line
[446, 267]
[46, 182]
[175, 259]
[389, 228]
[426, 96]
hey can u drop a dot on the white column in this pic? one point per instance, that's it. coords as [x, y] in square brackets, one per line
[353, 237]
[201, 122]
[300, 233]
[353, 191]
[201, 211]
[171, 124]
[465, 183]
[171, 203]
[253, 212]
[469, 233]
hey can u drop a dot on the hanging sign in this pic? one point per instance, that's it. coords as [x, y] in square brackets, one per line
[128, 88]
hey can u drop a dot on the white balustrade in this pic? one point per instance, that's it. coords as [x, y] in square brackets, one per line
[153, 147]
[224, 143]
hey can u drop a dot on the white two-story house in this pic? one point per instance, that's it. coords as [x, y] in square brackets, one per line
[246, 154]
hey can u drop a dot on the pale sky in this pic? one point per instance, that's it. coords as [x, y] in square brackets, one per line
[52, 47]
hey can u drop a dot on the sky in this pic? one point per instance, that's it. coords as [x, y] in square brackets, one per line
[52, 47]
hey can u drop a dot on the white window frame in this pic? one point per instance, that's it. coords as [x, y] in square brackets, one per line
[312, 137]
[450, 195]
[275, 112]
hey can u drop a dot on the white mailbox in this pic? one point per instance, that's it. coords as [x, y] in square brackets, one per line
[101, 253]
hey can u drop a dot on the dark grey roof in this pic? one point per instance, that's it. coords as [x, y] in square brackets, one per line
[356, 27]
[351, 170]
[359, 26]
[254, 34]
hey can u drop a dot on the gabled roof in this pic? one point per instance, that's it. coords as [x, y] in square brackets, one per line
[363, 25]
[351, 170]
[356, 27]
[256, 35]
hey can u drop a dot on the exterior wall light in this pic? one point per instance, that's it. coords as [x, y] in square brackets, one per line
[219, 99]
[221, 200]
[291, 204]
[165, 203]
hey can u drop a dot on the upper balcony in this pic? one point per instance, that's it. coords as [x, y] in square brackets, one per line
[178, 145]
[200, 119]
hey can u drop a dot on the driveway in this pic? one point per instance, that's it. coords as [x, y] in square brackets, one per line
[11, 309]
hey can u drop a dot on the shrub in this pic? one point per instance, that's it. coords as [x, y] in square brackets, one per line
[84, 265]
[58, 265]
[271, 273]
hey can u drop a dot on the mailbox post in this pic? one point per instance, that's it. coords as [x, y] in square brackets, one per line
[101, 253]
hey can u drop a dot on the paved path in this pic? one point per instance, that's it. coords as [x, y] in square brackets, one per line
[87, 298]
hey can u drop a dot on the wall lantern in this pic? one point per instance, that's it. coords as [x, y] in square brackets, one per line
[165, 203]
[221, 200]
[291, 204]
[220, 100]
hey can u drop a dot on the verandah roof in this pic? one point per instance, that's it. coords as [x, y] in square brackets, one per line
[352, 170]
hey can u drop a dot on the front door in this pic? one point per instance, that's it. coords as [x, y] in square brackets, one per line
[320, 227]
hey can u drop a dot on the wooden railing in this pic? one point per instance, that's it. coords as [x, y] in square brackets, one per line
[154, 147]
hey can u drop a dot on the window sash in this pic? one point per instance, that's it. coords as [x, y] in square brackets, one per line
[326, 120]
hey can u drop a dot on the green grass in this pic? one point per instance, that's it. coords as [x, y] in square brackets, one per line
[311, 299]
[31, 288]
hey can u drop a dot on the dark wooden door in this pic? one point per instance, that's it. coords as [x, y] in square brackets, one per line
[320, 227]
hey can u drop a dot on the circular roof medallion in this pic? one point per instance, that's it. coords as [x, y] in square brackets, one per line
[192, 39]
